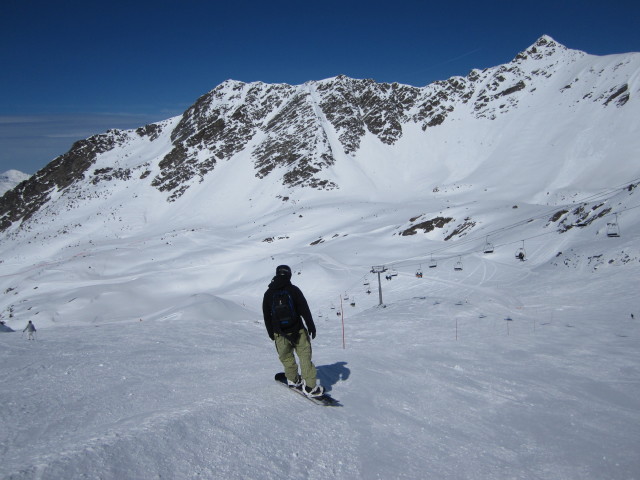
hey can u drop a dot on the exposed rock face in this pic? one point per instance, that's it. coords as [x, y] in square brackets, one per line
[427, 225]
[297, 132]
[24, 200]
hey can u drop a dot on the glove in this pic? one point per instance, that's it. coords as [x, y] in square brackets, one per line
[312, 333]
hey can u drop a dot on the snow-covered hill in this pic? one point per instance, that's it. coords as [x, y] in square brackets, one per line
[142, 257]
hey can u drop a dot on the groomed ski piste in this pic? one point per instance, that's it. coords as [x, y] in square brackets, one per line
[506, 369]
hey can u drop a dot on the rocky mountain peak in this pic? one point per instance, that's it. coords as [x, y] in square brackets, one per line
[295, 133]
[542, 48]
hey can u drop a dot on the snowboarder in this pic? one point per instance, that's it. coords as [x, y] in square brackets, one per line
[294, 338]
[31, 329]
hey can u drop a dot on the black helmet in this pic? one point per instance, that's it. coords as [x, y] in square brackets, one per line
[283, 270]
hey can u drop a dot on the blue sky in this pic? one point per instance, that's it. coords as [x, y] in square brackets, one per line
[70, 69]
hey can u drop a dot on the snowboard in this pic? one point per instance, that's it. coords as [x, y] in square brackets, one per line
[325, 399]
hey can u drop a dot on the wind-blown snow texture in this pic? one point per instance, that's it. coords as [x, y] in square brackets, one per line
[142, 257]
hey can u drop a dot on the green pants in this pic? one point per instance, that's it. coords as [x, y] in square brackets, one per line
[303, 349]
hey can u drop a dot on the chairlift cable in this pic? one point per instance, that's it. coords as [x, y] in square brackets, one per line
[606, 194]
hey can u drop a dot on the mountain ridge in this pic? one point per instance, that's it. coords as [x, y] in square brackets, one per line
[299, 132]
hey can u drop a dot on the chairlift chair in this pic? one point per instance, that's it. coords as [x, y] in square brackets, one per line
[488, 247]
[458, 266]
[521, 254]
[433, 263]
[613, 230]
[419, 273]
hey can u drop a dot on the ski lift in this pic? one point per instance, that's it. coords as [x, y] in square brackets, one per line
[488, 247]
[433, 263]
[613, 230]
[419, 272]
[521, 253]
[458, 266]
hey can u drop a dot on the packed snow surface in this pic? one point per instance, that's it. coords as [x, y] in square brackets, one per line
[502, 370]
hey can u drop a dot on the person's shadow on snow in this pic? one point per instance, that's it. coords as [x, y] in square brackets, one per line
[329, 375]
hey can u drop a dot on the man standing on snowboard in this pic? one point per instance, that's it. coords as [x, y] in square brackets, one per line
[294, 338]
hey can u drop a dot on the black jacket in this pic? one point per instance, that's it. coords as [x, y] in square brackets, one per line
[299, 303]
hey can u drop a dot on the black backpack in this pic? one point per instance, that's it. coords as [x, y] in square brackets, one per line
[283, 314]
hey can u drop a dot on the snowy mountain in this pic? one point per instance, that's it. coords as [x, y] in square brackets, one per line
[10, 179]
[142, 257]
[332, 134]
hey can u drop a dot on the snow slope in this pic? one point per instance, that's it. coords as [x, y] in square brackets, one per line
[152, 360]
[185, 392]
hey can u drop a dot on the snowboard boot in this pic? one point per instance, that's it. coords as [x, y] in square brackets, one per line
[316, 391]
[297, 384]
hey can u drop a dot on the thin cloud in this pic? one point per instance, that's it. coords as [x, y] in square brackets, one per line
[460, 56]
